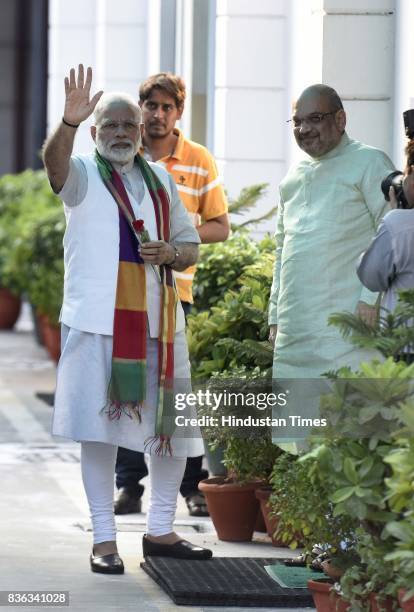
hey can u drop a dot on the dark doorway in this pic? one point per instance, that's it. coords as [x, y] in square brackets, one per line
[23, 75]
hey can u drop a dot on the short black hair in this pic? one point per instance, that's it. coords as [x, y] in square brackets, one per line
[172, 84]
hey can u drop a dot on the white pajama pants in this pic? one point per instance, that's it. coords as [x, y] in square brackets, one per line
[98, 469]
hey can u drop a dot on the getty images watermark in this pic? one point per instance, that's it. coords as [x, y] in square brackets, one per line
[207, 400]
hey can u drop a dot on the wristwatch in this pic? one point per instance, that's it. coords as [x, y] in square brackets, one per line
[176, 256]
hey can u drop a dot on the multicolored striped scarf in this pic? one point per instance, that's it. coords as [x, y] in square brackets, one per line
[127, 387]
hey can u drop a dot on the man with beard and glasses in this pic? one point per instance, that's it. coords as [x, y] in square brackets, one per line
[193, 168]
[330, 205]
[123, 338]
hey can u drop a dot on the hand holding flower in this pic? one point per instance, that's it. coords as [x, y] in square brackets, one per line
[140, 231]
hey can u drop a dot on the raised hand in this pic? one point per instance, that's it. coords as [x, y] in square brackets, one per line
[78, 106]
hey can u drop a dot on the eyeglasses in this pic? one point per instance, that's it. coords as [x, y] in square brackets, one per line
[128, 126]
[313, 119]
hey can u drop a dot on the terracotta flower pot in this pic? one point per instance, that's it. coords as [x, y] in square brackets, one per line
[50, 336]
[270, 521]
[233, 508]
[326, 600]
[10, 306]
[260, 524]
[381, 605]
[407, 606]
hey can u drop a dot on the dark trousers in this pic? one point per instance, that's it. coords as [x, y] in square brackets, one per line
[131, 467]
[407, 357]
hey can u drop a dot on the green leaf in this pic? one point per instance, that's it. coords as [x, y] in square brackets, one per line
[360, 492]
[367, 414]
[374, 476]
[350, 471]
[400, 531]
[342, 494]
[400, 554]
[365, 466]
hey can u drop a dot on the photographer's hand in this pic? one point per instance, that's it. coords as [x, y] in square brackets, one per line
[393, 199]
[367, 313]
[272, 334]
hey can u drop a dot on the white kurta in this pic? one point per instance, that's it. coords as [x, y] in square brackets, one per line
[84, 368]
[83, 377]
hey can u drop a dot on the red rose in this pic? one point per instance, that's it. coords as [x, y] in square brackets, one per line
[138, 225]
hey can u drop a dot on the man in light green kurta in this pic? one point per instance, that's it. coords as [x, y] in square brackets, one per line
[330, 205]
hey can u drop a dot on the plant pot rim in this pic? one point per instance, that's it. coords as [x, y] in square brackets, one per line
[323, 586]
[263, 493]
[217, 483]
[402, 593]
[8, 291]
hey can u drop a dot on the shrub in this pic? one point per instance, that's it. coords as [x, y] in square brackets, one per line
[248, 450]
[234, 332]
[31, 251]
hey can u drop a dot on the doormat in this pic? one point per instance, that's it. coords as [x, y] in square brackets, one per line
[223, 581]
[292, 577]
[48, 398]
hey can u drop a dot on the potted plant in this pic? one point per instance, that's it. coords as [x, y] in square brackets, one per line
[337, 494]
[379, 408]
[230, 336]
[10, 306]
[248, 456]
[263, 494]
[45, 289]
[35, 259]
[10, 303]
[31, 236]
[365, 410]
[401, 499]
[301, 504]
[326, 596]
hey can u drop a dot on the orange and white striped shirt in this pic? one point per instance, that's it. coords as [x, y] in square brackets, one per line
[195, 174]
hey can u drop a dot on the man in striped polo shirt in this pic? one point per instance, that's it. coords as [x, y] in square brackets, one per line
[193, 168]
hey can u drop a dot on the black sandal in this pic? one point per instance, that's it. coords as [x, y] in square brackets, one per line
[314, 559]
[196, 504]
[300, 561]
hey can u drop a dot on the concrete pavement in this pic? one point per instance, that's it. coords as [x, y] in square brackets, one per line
[45, 527]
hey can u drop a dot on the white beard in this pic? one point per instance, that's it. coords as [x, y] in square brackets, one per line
[120, 156]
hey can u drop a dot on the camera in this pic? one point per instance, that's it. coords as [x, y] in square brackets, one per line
[395, 179]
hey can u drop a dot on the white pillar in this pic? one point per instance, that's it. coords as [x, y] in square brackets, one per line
[358, 61]
[251, 95]
[69, 22]
[184, 55]
[111, 36]
[404, 75]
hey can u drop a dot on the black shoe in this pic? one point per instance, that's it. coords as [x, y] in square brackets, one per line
[128, 501]
[180, 550]
[108, 564]
[196, 504]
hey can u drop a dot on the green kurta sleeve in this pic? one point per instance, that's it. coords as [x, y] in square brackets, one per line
[274, 292]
